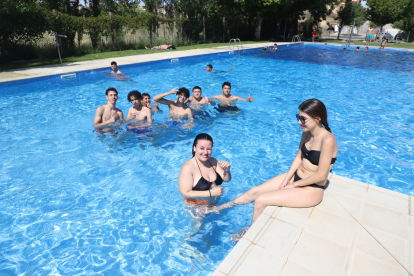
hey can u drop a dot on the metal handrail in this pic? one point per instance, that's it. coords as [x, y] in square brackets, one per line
[236, 42]
[296, 38]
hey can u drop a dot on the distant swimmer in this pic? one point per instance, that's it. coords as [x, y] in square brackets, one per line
[162, 47]
[209, 68]
[228, 101]
[178, 108]
[114, 67]
[274, 47]
[383, 43]
[107, 115]
[146, 101]
[197, 99]
[138, 112]
[357, 49]
[265, 50]
[366, 49]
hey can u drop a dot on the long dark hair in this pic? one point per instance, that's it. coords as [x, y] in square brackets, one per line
[316, 108]
[201, 136]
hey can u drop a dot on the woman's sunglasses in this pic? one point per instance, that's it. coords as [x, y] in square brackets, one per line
[301, 119]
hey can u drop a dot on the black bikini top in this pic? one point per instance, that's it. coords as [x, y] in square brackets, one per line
[313, 155]
[203, 184]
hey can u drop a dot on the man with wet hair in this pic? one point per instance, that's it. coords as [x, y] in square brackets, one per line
[114, 68]
[209, 68]
[228, 101]
[107, 115]
[197, 99]
[178, 109]
[138, 111]
[146, 101]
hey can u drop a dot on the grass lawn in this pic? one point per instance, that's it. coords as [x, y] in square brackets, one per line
[373, 45]
[111, 54]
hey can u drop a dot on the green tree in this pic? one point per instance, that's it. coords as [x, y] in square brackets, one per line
[383, 12]
[21, 20]
[406, 24]
[350, 12]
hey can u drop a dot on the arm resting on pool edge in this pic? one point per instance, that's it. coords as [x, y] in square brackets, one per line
[185, 185]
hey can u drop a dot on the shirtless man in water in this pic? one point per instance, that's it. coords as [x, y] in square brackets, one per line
[178, 108]
[197, 99]
[138, 111]
[368, 38]
[146, 101]
[107, 115]
[228, 100]
[114, 68]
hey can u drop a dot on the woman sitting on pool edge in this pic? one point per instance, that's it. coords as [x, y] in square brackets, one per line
[200, 176]
[303, 185]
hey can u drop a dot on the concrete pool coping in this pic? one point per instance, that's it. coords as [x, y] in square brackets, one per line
[357, 229]
[67, 68]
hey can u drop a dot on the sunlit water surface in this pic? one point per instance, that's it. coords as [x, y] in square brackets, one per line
[76, 203]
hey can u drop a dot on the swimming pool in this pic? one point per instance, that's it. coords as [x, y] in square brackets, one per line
[73, 202]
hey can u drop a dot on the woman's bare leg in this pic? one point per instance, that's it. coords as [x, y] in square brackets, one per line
[289, 197]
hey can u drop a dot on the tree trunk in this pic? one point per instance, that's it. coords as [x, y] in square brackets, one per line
[258, 27]
[204, 28]
[224, 29]
[279, 22]
[181, 31]
[339, 32]
[150, 29]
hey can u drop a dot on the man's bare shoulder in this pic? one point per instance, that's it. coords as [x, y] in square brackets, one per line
[101, 108]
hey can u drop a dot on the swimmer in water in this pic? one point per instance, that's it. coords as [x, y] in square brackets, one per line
[178, 108]
[265, 50]
[114, 68]
[146, 101]
[107, 115]
[305, 182]
[357, 49]
[201, 176]
[197, 99]
[274, 47]
[366, 48]
[210, 69]
[138, 112]
[226, 100]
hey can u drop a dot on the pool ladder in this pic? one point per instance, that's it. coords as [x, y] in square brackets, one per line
[235, 42]
[296, 38]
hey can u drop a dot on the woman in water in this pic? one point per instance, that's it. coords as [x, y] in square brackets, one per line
[303, 185]
[201, 176]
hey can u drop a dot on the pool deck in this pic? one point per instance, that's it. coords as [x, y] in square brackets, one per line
[357, 229]
[67, 68]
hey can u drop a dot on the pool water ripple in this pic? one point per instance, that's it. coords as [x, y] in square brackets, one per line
[76, 203]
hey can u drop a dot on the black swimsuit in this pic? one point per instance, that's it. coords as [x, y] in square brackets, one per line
[203, 184]
[313, 157]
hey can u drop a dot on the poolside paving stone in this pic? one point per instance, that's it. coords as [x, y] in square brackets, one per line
[358, 229]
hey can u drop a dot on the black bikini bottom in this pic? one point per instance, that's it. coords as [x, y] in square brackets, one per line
[297, 178]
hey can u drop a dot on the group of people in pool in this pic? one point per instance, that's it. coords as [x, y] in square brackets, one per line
[140, 114]
[302, 186]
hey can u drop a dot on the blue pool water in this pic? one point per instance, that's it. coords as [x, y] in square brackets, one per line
[75, 203]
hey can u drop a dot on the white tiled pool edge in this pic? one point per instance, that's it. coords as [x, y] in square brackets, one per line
[61, 69]
[357, 229]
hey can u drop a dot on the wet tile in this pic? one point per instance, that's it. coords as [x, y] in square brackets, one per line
[363, 265]
[352, 205]
[347, 188]
[412, 229]
[385, 219]
[349, 180]
[319, 254]
[260, 262]
[293, 269]
[412, 257]
[280, 237]
[217, 273]
[235, 254]
[294, 216]
[269, 210]
[332, 227]
[257, 227]
[388, 200]
[412, 206]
